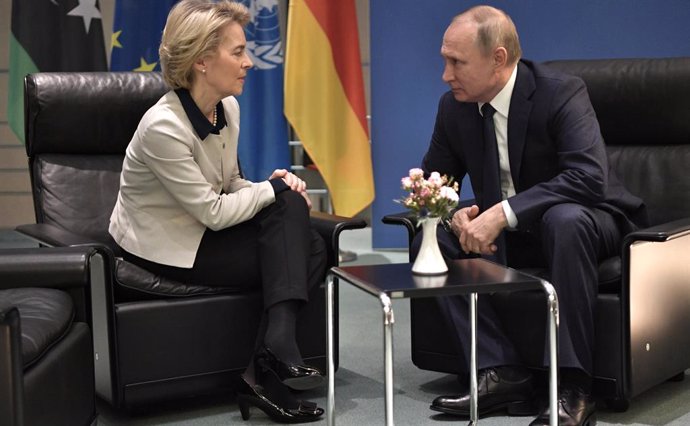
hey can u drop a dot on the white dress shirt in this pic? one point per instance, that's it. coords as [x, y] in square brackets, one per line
[501, 103]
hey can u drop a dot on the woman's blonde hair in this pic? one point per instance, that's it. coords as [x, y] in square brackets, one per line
[194, 30]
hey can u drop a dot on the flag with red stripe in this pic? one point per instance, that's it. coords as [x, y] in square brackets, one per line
[324, 98]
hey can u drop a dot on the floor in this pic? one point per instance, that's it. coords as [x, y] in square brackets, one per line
[359, 380]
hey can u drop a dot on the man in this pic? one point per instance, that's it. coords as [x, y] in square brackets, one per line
[530, 142]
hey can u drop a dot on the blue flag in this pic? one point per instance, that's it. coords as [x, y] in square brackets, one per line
[137, 31]
[263, 128]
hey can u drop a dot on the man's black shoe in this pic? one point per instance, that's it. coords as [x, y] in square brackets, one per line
[500, 388]
[575, 408]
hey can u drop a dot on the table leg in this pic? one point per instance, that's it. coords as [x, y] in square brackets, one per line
[552, 301]
[473, 360]
[388, 320]
[330, 363]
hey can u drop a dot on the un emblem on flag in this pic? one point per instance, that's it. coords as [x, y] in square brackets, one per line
[263, 34]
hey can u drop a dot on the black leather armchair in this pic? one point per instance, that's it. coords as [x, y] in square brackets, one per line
[46, 355]
[154, 339]
[643, 310]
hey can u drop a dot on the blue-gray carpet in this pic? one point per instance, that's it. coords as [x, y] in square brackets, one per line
[359, 380]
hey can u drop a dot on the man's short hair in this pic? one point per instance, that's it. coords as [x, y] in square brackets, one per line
[494, 29]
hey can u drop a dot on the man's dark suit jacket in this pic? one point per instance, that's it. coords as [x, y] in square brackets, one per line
[556, 150]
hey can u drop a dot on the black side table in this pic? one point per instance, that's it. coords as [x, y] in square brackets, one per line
[466, 276]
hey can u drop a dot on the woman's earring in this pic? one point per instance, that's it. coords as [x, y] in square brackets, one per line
[204, 70]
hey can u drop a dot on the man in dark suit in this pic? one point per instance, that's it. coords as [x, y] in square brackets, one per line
[530, 142]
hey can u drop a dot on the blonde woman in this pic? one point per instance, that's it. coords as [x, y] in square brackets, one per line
[185, 212]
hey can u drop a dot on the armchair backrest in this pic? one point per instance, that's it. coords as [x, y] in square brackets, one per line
[643, 107]
[77, 127]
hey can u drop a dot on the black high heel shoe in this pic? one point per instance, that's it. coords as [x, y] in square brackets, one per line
[298, 377]
[248, 395]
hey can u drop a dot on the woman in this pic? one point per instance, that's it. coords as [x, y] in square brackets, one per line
[185, 212]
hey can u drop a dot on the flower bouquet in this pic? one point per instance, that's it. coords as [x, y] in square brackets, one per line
[431, 200]
[433, 197]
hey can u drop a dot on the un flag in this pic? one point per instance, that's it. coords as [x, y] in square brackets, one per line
[263, 129]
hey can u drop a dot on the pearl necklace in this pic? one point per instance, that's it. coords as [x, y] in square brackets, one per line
[215, 116]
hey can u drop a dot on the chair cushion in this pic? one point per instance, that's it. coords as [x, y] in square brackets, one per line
[136, 283]
[45, 316]
[610, 273]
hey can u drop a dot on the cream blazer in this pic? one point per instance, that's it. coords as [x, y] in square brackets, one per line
[171, 182]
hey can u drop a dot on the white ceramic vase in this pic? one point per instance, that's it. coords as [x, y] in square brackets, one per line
[429, 260]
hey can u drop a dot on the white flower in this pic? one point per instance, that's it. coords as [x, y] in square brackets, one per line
[447, 192]
[416, 173]
[435, 179]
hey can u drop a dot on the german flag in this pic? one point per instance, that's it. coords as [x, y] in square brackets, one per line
[48, 35]
[324, 98]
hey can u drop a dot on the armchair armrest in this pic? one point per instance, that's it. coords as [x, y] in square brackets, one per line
[52, 236]
[649, 248]
[656, 294]
[63, 268]
[659, 232]
[66, 268]
[330, 226]
[406, 219]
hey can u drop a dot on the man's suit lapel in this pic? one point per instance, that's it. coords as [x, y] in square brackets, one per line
[518, 120]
